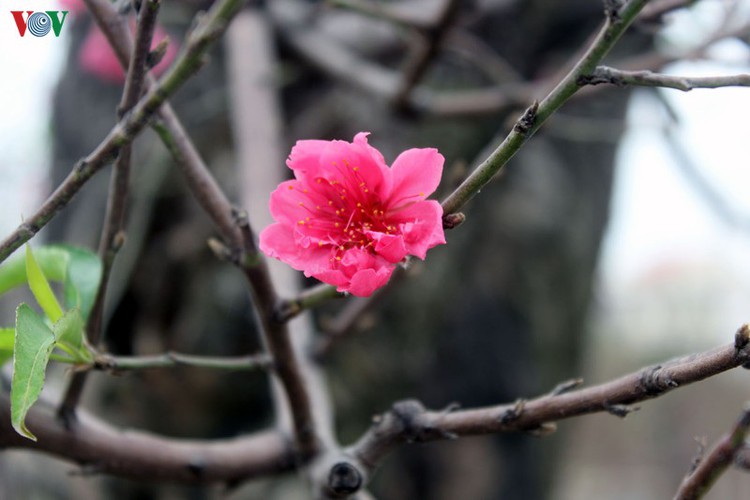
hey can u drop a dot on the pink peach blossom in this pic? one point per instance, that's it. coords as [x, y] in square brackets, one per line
[347, 218]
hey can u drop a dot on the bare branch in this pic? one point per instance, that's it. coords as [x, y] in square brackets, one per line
[645, 78]
[308, 299]
[410, 422]
[256, 120]
[113, 232]
[207, 31]
[424, 52]
[398, 13]
[101, 449]
[108, 362]
[712, 466]
[537, 114]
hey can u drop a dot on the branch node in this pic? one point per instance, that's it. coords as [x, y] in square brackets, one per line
[612, 10]
[344, 480]
[155, 56]
[565, 386]
[513, 413]
[699, 454]
[621, 411]
[80, 166]
[407, 413]
[451, 221]
[196, 466]
[543, 430]
[526, 122]
[220, 250]
[652, 382]
[742, 337]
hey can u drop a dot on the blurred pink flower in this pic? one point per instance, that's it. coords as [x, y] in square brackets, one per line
[97, 57]
[347, 218]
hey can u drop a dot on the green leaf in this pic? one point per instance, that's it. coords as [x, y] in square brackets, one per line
[33, 345]
[79, 270]
[6, 344]
[82, 277]
[69, 336]
[40, 287]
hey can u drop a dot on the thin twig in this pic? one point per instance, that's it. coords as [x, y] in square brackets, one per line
[424, 52]
[308, 299]
[206, 32]
[645, 78]
[410, 422]
[113, 234]
[397, 13]
[108, 362]
[712, 466]
[345, 322]
[537, 114]
[301, 401]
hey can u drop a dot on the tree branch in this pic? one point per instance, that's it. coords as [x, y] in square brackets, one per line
[697, 483]
[423, 53]
[101, 449]
[108, 362]
[537, 113]
[409, 421]
[113, 231]
[307, 299]
[301, 402]
[605, 74]
[207, 31]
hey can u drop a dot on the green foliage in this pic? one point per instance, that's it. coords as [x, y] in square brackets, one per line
[6, 344]
[32, 341]
[77, 269]
[33, 345]
[41, 289]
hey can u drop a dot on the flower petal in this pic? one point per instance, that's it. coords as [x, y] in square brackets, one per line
[277, 241]
[416, 175]
[422, 226]
[389, 246]
[366, 281]
[305, 157]
[358, 167]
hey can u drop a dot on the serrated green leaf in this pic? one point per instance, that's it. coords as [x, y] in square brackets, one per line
[52, 259]
[6, 344]
[33, 345]
[40, 288]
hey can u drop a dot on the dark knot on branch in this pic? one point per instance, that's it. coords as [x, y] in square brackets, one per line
[344, 479]
[654, 381]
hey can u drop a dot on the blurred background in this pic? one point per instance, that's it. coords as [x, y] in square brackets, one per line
[620, 236]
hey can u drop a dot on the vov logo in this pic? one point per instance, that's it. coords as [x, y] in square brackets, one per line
[39, 23]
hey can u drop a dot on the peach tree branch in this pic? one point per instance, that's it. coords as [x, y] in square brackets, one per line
[616, 23]
[99, 448]
[409, 421]
[645, 78]
[697, 483]
[207, 31]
